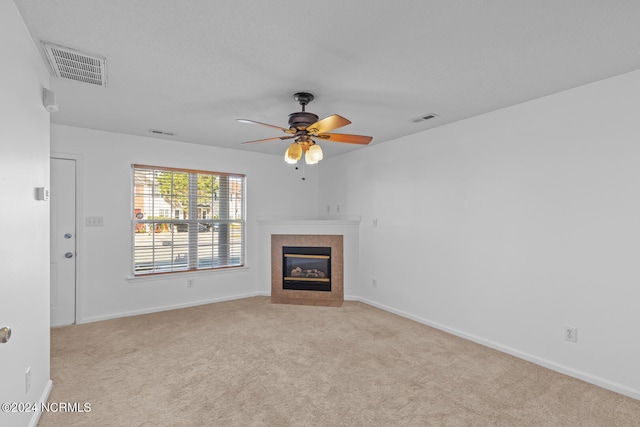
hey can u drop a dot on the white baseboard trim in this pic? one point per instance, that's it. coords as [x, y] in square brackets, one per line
[584, 376]
[35, 418]
[92, 319]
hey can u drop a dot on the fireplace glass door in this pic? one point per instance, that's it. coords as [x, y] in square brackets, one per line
[306, 268]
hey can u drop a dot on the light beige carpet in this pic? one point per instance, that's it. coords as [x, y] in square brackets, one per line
[252, 363]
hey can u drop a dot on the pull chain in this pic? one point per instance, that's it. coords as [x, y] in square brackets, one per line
[298, 168]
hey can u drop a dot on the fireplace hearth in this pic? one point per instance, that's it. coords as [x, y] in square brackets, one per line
[306, 268]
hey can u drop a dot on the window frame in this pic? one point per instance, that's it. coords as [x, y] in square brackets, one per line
[221, 226]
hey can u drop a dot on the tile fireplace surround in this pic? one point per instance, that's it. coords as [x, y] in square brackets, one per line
[290, 229]
[335, 297]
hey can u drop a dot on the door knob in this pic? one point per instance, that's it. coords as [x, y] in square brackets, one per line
[68, 255]
[5, 334]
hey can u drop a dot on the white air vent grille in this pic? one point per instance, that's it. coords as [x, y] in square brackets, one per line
[74, 65]
[423, 118]
[161, 132]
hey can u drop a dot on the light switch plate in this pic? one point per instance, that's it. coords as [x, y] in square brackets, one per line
[42, 193]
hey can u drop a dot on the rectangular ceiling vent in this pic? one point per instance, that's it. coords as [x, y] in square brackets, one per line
[423, 118]
[75, 65]
[161, 132]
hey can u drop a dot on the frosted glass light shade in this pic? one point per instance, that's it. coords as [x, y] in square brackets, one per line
[293, 153]
[308, 160]
[313, 154]
[289, 160]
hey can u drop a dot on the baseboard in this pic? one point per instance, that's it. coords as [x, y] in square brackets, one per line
[584, 376]
[166, 308]
[35, 418]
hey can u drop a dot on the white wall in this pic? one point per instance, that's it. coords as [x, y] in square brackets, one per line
[105, 287]
[508, 226]
[24, 221]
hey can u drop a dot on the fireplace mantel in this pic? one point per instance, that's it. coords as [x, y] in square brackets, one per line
[299, 221]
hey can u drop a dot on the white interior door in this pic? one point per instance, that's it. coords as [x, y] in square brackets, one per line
[63, 242]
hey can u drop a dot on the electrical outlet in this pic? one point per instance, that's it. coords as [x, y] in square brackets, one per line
[27, 380]
[570, 334]
[337, 208]
[189, 283]
[375, 222]
[374, 283]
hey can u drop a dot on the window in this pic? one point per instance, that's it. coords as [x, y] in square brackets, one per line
[207, 229]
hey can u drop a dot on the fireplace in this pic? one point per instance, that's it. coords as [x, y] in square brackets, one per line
[306, 268]
[311, 256]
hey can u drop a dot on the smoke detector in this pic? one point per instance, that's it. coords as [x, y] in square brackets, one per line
[72, 64]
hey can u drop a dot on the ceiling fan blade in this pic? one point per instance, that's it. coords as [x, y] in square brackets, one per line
[328, 123]
[253, 122]
[343, 137]
[269, 139]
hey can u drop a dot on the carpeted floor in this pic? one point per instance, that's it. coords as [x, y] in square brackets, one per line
[252, 363]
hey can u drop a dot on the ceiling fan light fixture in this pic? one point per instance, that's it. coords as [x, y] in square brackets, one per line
[309, 159]
[289, 160]
[315, 153]
[304, 126]
[293, 153]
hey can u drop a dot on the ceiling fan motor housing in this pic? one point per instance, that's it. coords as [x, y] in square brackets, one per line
[302, 120]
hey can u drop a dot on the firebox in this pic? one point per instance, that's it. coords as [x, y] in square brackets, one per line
[306, 268]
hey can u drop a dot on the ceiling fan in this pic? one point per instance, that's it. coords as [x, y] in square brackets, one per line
[304, 127]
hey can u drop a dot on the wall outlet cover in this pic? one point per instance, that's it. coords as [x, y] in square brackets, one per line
[570, 334]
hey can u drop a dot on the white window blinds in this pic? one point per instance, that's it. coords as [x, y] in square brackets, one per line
[186, 220]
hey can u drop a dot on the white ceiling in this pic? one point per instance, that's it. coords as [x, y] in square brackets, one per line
[194, 67]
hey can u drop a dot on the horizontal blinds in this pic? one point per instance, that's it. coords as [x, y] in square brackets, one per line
[187, 220]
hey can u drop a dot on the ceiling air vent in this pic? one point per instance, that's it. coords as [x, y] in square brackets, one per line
[423, 118]
[75, 65]
[161, 132]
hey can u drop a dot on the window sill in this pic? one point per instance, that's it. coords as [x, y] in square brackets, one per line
[185, 274]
